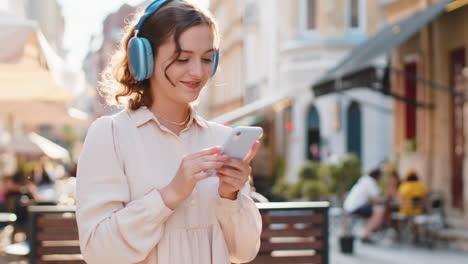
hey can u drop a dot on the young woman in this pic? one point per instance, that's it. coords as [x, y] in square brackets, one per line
[152, 185]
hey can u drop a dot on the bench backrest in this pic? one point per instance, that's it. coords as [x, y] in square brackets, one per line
[294, 232]
[53, 235]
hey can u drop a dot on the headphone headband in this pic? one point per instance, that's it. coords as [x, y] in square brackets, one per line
[149, 10]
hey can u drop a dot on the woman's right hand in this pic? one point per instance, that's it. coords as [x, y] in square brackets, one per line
[193, 168]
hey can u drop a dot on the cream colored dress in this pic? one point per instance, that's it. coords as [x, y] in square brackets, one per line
[121, 215]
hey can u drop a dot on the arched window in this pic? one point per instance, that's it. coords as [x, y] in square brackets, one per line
[354, 131]
[313, 134]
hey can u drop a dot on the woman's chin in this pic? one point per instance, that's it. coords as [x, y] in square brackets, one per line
[193, 96]
[189, 99]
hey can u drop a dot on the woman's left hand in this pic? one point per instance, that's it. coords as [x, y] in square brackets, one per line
[234, 177]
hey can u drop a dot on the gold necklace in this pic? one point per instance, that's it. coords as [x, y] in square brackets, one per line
[175, 123]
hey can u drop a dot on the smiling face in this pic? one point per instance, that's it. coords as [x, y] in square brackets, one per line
[180, 81]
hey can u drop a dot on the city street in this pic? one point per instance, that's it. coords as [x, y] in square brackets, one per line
[393, 254]
[338, 118]
[386, 251]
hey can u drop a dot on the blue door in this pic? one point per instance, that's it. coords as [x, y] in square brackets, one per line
[313, 134]
[353, 133]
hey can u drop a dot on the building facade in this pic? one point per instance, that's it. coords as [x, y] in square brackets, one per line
[99, 55]
[226, 90]
[283, 48]
[245, 86]
[431, 136]
[318, 36]
[47, 13]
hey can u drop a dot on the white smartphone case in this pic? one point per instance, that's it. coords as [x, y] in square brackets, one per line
[241, 141]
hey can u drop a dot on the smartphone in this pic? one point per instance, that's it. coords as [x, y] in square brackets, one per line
[241, 140]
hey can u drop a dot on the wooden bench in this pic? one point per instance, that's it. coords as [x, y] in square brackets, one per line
[293, 232]
[53, 235]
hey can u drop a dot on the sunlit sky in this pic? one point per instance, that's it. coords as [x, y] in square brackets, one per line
[84, 18]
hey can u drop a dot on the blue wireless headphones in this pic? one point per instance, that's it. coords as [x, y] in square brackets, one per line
[140, 54]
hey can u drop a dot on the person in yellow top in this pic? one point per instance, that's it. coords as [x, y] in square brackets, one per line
[412, 192]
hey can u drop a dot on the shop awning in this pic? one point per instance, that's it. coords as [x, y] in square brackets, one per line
[251, 113]
[14, 33]
[369, 56]
[35, 145]
[49, 148]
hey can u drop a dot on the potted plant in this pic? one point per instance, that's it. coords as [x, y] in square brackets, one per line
[310, 186]
[339, 178]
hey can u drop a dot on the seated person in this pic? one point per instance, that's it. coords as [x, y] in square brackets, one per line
[391, 189]
[19, 193]
[46, 189]
[412, 193]
[362, 201]
[392, 198]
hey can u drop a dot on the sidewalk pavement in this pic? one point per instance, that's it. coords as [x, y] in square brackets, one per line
[386, 251]
[389, 253]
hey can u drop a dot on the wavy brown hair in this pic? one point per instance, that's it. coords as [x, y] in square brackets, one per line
[118, 86]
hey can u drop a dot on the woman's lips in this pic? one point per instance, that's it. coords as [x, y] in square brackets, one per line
[192, 85]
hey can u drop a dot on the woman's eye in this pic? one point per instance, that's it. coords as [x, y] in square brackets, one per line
[182, 60]
[207, 60]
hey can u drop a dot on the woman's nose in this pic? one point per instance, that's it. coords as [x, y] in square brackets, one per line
[196, 69]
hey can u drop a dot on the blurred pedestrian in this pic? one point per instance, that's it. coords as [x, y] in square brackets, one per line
[391, 197]
[391, 188]
[413, 193]
[146, 185]
[364, 200]
[46, 188]
[314, 151]
[20, 193]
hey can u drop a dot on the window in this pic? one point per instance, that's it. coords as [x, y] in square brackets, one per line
[307, 14]
[311, 14]
[356, 15]
[251, 13]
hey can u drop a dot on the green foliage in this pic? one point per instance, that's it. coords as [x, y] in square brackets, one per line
[317, 181]
[280, 187]
[279, 169]
[314, 190]
[28, 167]
[70, 137]
[346, 174]
[410, 145]
[311, 185]
[309, 170]
[387, 171]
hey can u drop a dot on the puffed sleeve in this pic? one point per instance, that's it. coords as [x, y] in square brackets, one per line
[241, 223]
[112, 228]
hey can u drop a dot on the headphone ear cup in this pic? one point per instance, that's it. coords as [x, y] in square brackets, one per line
[215, 62]
[140, 58]
[149, 58]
